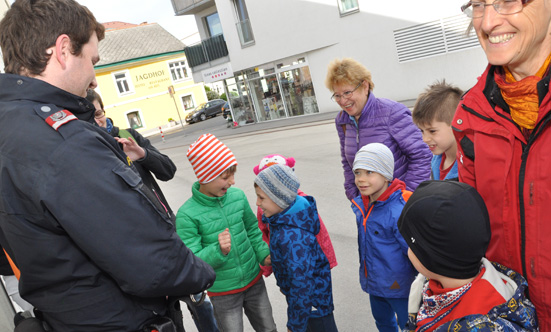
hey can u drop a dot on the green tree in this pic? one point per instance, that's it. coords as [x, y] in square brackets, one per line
[211, 94]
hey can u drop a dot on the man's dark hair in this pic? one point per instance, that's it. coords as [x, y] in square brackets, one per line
[30, 27]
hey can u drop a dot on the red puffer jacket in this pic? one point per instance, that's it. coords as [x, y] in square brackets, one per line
[513, 175]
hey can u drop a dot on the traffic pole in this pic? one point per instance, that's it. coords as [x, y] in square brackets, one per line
[162, 135]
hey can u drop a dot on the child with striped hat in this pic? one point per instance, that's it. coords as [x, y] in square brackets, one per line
[218, 225]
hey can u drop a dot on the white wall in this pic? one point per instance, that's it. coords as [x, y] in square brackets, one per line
[285, 28]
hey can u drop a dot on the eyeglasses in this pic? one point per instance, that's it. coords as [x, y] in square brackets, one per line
[503, 7]
[99, 114]
[346, 95]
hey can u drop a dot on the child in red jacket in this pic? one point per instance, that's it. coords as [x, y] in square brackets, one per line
[323, 235]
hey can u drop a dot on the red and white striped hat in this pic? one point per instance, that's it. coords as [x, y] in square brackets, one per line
[209, 158]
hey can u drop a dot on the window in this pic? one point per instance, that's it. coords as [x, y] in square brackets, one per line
[178, 70]
[188, 102]
[134, 119]
[213, 24]
[244, 24]
[123, 83]
[348, 7]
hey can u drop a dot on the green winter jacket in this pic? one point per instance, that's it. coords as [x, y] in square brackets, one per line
[202, 218]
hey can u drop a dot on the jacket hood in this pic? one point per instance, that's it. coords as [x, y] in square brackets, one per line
[16, 87]
[395, 185]
[302, 214]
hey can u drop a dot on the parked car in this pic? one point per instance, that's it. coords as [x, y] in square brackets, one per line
[206, 110]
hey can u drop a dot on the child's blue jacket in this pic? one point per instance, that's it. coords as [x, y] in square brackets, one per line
[385, 269]
[300, 266]
[435, 169]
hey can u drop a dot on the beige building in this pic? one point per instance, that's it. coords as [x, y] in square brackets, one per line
[144, 78]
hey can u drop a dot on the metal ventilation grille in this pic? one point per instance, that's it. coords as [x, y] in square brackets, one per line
[434, 38]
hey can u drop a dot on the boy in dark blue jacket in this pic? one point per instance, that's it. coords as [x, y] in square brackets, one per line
[385, 270]
[299, 264]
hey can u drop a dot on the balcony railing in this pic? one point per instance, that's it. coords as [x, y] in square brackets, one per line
[207, 50]
[245, 32]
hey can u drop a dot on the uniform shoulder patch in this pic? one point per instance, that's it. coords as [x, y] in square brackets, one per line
[60, 118]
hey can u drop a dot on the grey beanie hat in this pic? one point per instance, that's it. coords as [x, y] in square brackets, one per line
[280, 183]
[375, 157]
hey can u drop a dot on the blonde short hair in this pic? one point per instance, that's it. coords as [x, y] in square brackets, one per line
[347, 71]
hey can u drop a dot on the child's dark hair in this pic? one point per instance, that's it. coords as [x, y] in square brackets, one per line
[437, 103]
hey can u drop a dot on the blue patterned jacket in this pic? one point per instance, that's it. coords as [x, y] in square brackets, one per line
[514, 315]
[300, 266]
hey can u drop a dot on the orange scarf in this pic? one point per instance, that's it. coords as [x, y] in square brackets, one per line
[522, 96]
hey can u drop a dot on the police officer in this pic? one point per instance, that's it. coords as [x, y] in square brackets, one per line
[95, 249]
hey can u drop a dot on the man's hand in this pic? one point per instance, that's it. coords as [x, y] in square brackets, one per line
[267, 261]
[131, 148]
[224, 239]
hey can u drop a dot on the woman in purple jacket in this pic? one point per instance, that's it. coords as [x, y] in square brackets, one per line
[367, 119]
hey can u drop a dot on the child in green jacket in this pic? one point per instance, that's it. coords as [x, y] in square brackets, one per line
[219, 226]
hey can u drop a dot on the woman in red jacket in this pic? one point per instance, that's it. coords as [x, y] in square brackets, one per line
[502, 127]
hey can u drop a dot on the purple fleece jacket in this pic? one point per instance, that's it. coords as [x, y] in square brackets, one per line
[387, 122]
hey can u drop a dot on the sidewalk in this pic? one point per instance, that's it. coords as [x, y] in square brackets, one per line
[220, 130]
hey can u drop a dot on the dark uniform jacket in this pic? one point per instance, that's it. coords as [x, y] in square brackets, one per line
[95, 249]
[154, 162]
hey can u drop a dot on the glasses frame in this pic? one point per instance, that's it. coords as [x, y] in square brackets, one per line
[469, 12]
[347, 94]
[102, 114]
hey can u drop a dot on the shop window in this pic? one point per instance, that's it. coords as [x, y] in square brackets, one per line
[178, 70]
[123, 83]
[348, 6]
[134, 119]
[244, 24]
[188, 102]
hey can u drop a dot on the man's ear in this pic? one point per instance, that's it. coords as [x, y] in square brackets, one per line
[62, 50]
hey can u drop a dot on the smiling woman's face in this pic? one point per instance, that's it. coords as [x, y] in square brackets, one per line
[520, 41]
[354, 104]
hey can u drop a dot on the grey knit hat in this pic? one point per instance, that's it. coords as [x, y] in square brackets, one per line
[280, 183]
[375, 157]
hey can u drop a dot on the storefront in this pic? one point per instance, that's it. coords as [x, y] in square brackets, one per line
[272, 91]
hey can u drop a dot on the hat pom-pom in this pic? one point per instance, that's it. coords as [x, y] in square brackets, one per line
[290, 162]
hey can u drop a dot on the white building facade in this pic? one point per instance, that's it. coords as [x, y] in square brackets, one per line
[273, 55]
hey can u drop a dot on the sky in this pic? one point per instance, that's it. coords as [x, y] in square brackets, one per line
[136, 12]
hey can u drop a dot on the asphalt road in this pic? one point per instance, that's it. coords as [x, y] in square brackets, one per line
[313, 142]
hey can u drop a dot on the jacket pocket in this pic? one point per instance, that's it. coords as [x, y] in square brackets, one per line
[134, 181]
